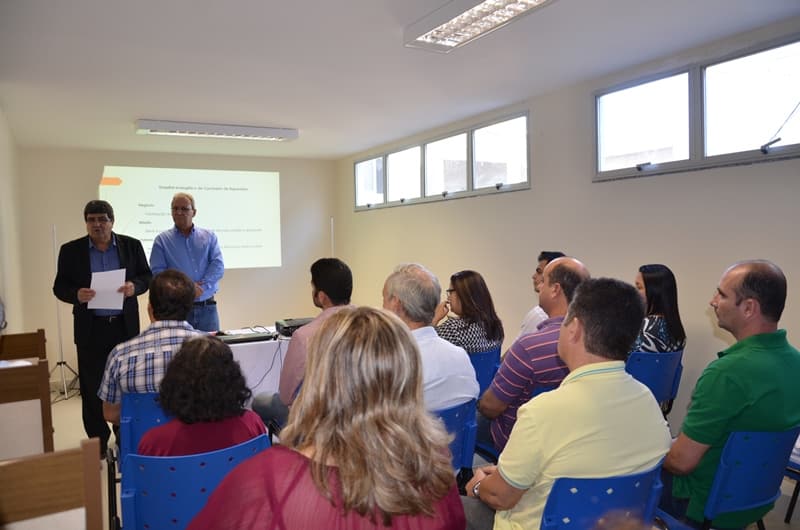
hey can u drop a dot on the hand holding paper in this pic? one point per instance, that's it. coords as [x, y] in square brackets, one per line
[106, 285]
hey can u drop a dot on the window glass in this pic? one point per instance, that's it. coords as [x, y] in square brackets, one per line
[402, 174]
[446, 165]
[753, 100]
[648, 123]
[369, 182]
[501, 153]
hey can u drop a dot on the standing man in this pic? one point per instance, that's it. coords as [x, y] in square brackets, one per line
[194, 251]
[751, 387]
[600, 422]
[412, 292]
[331, 287]
[97, 331]
[537, 315]
[532, 363]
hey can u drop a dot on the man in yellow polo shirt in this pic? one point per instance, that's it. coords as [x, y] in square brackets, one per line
[600, 422]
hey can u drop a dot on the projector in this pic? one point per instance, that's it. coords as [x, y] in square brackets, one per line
[288, 326]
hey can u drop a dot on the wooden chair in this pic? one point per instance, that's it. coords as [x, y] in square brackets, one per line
[51, 483]
[23, 345]
[27, 425]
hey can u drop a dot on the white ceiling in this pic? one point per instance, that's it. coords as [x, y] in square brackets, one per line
[78, 73]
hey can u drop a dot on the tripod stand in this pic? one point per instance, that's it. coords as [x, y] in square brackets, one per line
[62, 366]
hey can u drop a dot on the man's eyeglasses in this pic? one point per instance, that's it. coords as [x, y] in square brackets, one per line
[101, 220]
[181, 209]
[539, 270]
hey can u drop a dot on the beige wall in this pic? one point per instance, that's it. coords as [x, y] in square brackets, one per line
[697, 223]
[10, 264]
[56, 184]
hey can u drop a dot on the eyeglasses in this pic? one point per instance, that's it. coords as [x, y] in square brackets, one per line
[101, 220]
[539, 270]
[450, 291]
[181, 209]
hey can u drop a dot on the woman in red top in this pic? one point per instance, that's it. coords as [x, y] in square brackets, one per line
[205, 391]
[359, 450]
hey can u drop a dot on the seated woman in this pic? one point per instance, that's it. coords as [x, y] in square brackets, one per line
[359, 450]
[662, 330]
[205, 391]
[476, 327]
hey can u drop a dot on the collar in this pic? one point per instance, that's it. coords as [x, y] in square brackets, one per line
[550, 321]
[761, 341]
[424, 332]
[171, 324]
[113, 241]
[177, 230]
[593, 369]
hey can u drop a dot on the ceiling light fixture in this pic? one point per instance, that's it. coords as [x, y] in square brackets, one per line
[212, 130]
[461, 21]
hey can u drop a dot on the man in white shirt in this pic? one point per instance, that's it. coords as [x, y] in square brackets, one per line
[537, 315]
[412, 292]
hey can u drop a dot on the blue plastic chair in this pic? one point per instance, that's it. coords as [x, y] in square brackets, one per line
[660, 372]
[578, 503]
[168, 491]
[460, 422]
[749, 475]
[140, 413]
[486, 365]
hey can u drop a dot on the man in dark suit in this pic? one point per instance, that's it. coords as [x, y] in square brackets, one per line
[97, 331]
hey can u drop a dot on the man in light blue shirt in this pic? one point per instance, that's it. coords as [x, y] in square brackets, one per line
[194, 251]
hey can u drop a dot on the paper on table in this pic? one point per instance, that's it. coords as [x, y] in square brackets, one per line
[105, 285]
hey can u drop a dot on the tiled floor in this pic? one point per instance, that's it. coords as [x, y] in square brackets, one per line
[69, 432]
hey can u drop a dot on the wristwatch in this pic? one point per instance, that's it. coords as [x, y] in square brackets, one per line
[476, 490]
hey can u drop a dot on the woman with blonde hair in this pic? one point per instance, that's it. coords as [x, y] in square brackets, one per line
[359, 450]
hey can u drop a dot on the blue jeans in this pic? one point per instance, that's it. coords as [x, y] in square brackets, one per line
[204, 318]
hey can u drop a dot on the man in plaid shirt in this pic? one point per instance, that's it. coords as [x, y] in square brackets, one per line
[138, 364]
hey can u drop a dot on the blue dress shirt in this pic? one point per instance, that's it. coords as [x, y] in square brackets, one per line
[198, 256]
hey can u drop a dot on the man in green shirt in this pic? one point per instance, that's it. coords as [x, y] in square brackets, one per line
[752, 386]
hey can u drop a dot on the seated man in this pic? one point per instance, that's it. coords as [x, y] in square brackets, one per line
[537, 315]
[532, 362]
[331, 287]
[599, 423]
[751, 387]
[137, 365]
[412, 292]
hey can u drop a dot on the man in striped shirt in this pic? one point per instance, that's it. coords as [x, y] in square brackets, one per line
[532, 364]
[139, 364]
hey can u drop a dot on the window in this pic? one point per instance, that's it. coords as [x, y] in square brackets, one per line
[446, 165]
[753, 100]
[735, 111]
[402, 174]
[644, 124]
[487, 159]
[369, 182]
[501, 154]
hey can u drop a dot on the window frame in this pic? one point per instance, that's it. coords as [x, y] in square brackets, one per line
[697, 160]
[445, 195]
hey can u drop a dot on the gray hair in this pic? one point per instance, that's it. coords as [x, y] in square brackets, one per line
[417, 289]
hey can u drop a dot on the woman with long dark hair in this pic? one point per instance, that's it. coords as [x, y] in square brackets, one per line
[662, 330]
[476, 326]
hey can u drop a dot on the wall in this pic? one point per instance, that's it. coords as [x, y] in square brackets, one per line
[10, 264]
[56, 184]
[697, 223]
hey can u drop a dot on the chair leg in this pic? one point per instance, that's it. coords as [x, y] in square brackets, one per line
[792, 502]
[760, 524]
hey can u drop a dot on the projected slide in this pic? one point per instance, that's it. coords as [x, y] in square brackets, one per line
[241, 207]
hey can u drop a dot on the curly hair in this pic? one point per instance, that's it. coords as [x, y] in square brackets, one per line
[361, 404]
[203, 383]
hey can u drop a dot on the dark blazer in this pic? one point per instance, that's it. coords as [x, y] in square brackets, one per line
[75, 272]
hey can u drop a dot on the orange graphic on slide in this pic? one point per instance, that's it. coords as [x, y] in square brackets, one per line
[110, 181]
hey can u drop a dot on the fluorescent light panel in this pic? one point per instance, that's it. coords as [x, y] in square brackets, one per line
[212, 130]
[461, 21]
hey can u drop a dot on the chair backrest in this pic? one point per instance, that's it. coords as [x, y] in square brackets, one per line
[23, 345]
[140, 413]
[576, 503]
[460, 422]
[660, 372]
[168, 491]
[486, 364]
[51, 483]
[750, 471]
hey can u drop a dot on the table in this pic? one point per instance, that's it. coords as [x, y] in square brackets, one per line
[261, 363]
